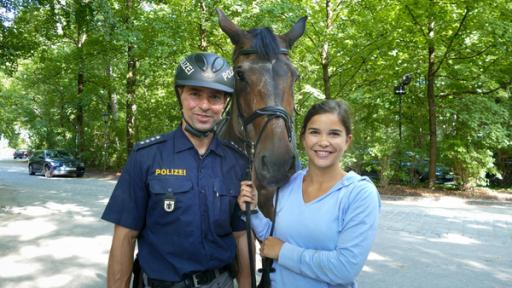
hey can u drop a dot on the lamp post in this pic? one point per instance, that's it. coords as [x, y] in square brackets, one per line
[105, 117]
[400, 90]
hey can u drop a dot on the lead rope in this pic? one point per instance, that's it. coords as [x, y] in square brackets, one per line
[248, 225]
[268, 262]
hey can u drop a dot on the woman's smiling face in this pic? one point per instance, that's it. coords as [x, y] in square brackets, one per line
[325, 140]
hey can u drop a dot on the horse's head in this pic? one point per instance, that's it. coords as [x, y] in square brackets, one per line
[264, 102]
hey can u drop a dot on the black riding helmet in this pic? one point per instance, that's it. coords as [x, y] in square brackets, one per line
[204, 70]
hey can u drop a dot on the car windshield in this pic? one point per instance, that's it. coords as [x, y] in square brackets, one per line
[58, 154]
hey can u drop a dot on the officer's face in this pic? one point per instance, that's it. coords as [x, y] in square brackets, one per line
[202, 107]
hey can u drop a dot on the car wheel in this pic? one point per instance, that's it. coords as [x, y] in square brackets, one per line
[47, 172]
[31, 170]
[79, 174]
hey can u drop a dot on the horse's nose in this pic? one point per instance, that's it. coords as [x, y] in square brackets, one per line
[275, 166]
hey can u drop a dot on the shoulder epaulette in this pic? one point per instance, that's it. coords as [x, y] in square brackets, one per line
[150, 141]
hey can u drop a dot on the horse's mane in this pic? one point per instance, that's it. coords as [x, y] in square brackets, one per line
[265, 43]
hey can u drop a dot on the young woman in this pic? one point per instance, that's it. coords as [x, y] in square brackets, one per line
[326, 218]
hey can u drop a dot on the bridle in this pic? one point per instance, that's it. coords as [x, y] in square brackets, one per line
[270, 112]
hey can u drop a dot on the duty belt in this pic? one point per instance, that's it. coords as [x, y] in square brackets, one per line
[191, 281]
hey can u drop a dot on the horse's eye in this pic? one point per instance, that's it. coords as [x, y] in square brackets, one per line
[239, 74]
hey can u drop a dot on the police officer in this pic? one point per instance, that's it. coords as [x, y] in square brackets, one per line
[177, 193]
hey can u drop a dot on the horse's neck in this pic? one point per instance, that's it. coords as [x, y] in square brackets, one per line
[228, 132]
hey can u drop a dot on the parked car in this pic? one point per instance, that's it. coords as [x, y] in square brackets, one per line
[412, 171]
[53, 162]
[20, 154]
[443, 173]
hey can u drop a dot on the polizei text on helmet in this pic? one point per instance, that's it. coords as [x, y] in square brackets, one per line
[187, 67]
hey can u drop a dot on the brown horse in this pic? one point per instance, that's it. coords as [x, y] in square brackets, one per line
[261, 117]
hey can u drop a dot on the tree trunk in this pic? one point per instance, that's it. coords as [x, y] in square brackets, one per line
[325, 51]
[81, 36]
[111, 94]
[203, 37]
[431, 106]
[80, 111]
[131, 80]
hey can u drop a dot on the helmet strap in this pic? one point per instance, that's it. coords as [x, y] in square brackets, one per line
[196, 132]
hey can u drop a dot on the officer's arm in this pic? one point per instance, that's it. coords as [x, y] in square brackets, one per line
[120, 261]
[244, 272]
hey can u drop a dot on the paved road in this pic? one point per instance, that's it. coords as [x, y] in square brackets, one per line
[50, 232]
[443, 243]
[51, 236]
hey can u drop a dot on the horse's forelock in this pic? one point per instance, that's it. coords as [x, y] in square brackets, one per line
[265, 43]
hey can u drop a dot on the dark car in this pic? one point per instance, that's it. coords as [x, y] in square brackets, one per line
[418, 171]
[20, 154]
[53, 162]
[412, 171]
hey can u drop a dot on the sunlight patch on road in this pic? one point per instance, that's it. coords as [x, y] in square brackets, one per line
[54, 281]
[475, 264]
[48, 209]
[455, 239]
[104, 200]
[27, 229]
[376, 257]
[71, 277]
[15, 266]
[85, 248]
[505, 276]
[476, 226]
[90, 251]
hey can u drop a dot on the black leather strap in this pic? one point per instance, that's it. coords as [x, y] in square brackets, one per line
[191, 281]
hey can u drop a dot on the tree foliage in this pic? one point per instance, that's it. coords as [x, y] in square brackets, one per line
[65, 66]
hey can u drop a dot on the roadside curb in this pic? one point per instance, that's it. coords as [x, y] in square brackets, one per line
[472, 201]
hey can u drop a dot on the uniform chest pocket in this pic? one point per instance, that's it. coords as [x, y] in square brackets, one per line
[224, 201]
[169, 194]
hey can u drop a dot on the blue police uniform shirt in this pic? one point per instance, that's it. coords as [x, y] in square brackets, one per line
[182, 204]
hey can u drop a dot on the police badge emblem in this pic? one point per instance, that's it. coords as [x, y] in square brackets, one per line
[169, 204]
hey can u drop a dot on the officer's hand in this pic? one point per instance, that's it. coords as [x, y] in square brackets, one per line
[247, 194]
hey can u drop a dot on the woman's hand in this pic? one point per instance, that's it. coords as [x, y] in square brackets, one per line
[247, 194]
[271, 247]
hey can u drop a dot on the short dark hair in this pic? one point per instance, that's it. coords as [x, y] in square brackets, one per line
[338, 107]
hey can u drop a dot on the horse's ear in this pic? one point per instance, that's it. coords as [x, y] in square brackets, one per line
[230, 28]
[296, 32]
